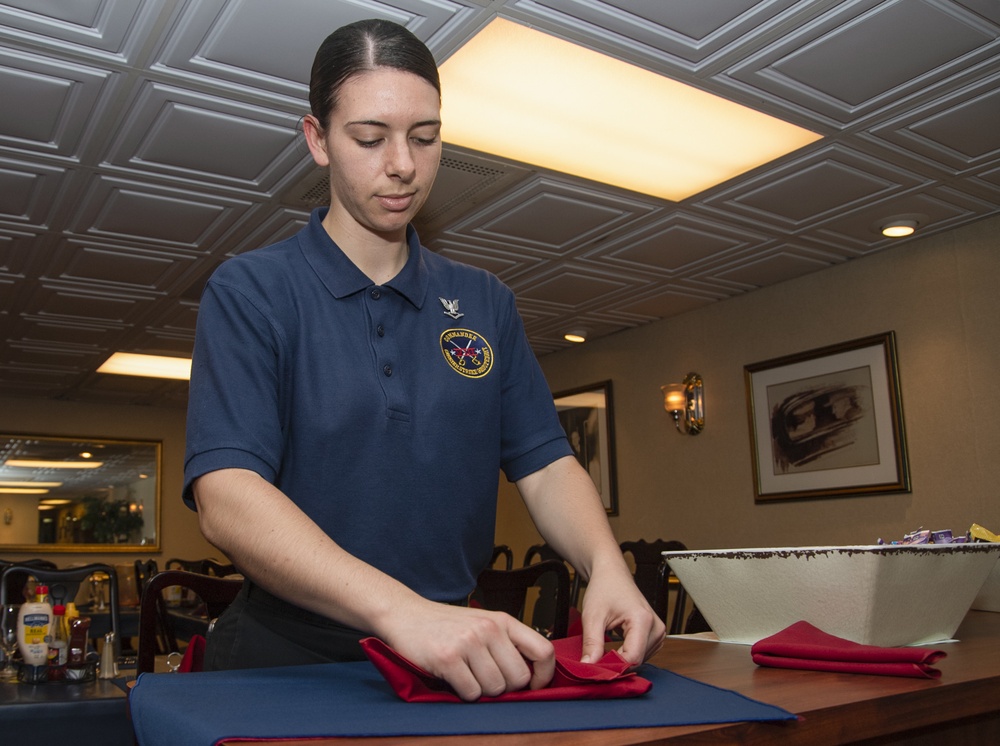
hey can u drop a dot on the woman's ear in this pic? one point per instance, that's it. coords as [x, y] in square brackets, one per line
[316, 140]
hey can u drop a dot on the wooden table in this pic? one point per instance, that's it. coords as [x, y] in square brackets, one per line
[961, 708]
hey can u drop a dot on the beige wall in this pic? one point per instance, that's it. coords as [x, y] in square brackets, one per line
[179, 532]
[941, 295]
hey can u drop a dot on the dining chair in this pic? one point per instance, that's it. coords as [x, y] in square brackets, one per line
[216, 593]
[681, 621]
[218, 569]
[144, 570]
[647, 558]
[505, 552]
[17, 582]
[206, 566]
[538, 552]
[64, 584]
[507, 590]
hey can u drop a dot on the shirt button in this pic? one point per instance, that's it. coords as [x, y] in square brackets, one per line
[376, 293]
[387, 369]
[380, 330]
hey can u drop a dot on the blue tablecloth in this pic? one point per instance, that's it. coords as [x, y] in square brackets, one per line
[352, 699]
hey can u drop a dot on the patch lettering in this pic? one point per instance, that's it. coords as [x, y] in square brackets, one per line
[467, 352]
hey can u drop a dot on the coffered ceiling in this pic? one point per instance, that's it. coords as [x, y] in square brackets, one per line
[144, 141]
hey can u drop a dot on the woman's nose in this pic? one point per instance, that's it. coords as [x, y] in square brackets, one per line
[400, 162]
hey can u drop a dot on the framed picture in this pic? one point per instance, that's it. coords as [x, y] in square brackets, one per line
[828, 422]
[587, 416]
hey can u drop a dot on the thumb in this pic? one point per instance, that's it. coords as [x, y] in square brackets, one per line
[593, 644]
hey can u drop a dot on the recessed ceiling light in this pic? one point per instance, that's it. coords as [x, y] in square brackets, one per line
[576, 335]
[899, 228]
[6, 483]
[151, 366]
[518, 93]
[37, 463]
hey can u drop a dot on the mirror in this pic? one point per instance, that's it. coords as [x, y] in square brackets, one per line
[79, 494]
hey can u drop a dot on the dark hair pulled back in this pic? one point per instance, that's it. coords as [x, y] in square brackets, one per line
[359, 47]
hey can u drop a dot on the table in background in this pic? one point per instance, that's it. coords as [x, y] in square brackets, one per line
[961, 708]
[90, 713]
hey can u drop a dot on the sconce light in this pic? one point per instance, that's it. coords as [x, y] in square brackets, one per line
[686, 401]
[8, 516]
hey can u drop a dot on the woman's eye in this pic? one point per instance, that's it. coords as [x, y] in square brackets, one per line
[425, 140]
[368, 143]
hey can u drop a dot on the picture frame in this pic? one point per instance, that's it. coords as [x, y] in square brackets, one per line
[587, 415]
[828, 422]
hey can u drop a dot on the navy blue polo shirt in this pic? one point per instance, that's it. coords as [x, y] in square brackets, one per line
[384, 411]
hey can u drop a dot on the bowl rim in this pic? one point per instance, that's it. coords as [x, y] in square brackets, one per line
[768, 552]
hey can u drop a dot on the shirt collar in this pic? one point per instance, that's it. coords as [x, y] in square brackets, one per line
[342, 277]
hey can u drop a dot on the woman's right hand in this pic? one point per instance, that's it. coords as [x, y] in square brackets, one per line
[478, 652]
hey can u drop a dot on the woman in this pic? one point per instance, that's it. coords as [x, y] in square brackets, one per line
[353, 398]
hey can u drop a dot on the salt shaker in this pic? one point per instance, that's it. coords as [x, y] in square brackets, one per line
[109, 662]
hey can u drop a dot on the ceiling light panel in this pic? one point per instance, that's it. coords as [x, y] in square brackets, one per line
[518, 93]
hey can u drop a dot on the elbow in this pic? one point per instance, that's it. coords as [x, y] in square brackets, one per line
[209, 499]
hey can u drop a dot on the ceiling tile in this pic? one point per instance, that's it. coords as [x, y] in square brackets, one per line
[202, 137]
[850, 63]
[143, 143]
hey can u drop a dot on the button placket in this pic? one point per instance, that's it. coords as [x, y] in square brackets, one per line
[376, 294]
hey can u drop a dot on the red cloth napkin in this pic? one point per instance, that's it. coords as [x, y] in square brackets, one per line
[609, 678]
[805, 647]
[194, 656]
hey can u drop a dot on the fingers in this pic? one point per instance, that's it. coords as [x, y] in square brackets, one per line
[641, 629]
[537, 653]
[593, 643]
[643, 637]
[491, 654]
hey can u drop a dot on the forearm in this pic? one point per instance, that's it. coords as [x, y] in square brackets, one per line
[278, 547]
[568, 513]
[282, 550]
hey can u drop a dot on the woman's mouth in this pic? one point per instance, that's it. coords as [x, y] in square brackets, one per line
[395, 202]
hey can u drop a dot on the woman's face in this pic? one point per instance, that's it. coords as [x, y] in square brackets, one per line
[382, 149]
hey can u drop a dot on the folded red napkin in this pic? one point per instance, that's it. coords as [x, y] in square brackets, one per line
[805, 647]
[194, 656]
[609, 678]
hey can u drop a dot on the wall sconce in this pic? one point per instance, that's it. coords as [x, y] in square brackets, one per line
[686, 401]
[8, 516]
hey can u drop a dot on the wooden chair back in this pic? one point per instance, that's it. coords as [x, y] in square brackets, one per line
[202, 567]
[649, 563]
[538, 552]
[502, 551]
[17, 581]
[507, 590]
[215, 592]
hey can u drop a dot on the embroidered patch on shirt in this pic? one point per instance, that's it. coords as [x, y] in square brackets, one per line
[467, 352]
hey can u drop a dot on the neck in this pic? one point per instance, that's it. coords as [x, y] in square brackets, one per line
[379, 256]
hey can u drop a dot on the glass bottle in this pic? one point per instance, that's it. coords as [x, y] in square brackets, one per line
[59, 646]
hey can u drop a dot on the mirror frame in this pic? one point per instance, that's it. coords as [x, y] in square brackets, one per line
[90, 548]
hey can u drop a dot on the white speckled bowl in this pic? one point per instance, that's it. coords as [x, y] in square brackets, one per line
[877, 595]
[989, 595]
